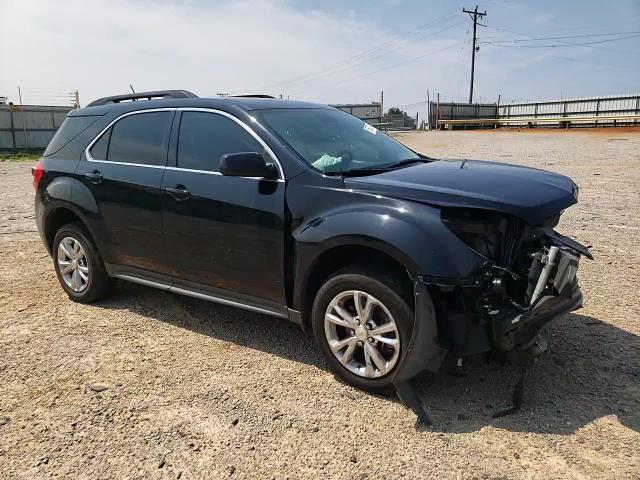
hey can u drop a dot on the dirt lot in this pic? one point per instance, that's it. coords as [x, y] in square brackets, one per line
[152, 385]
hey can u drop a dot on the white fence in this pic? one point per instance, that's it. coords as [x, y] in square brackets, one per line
[614, 108]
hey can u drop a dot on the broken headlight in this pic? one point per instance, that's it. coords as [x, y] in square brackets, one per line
[493, 235]
[477, 228]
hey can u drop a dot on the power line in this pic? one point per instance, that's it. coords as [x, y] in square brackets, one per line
[351, 59]
[570, 29]
[386, 68]
[411, 104]
[519, 40]
[465, 42]
[367, 60]
[563, 44]
[372, 58]
[572, 59]
[599, 64]
[360, 58]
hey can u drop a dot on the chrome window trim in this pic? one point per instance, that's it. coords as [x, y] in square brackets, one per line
[209, 172]
[206, 172]
[185, 109]
[90, 158]
[127, 163]
[245, 127]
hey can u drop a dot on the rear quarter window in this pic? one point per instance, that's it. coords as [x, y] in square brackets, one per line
[70, 129]
[140, 138]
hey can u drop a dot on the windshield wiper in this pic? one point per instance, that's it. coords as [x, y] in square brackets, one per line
[402, 163]
[357, 171]
[378, 168]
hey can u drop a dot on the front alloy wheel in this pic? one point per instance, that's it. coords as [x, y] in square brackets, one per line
[362, 334]
[362, 319]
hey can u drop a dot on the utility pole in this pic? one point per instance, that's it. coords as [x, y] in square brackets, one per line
[428, 111]
[474, 14]
[24, 119]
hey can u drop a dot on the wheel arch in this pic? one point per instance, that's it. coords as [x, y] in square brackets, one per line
[65, 199]
[57, 217]
[340, 252]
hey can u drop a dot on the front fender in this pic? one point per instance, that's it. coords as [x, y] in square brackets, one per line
[413, 234]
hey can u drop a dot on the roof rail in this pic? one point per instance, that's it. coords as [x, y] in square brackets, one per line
[131, 97]
[256, 95]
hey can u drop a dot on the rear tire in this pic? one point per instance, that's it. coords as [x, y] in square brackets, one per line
[385, 327]
[78, 264]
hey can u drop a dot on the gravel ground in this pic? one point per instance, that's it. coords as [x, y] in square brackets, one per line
[152, 385]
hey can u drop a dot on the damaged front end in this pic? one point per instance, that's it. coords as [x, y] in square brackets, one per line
[528, 277]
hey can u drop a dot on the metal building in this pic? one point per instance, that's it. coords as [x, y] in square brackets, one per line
[440, 111]
[369, 112]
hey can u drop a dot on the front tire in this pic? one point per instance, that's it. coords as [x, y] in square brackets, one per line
[78, 265]
[362, 321]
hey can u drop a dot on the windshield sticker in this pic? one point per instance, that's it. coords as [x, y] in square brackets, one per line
[370, 128]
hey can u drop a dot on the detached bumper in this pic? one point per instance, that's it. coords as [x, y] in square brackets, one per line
[512, 331]
[519, 331]
[477, 314]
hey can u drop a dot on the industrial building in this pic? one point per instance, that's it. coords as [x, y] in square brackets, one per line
[369, 112]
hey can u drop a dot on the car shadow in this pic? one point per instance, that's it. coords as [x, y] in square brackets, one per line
[592, 369]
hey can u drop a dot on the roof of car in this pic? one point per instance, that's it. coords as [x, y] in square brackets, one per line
[256, 103]
[125, 103]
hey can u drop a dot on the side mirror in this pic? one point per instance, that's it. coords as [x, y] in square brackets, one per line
[247, 164]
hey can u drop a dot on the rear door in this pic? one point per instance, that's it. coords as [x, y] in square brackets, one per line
[223, 235]
[124, 172]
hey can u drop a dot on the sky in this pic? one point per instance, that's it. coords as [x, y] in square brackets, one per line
[326, 51]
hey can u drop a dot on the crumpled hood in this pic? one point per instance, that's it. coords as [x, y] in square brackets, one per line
[531, 194]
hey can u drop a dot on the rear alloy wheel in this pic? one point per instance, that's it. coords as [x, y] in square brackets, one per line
[73, 265]
[360, 320]
[78, 265]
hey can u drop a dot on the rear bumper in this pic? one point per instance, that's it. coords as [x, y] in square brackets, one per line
[39, 214]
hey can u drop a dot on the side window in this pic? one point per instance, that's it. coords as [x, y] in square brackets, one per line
[100, 149]
[70, 129]
[141, 138]
[206, 137]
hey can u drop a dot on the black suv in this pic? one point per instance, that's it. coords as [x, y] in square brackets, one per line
[393, 259]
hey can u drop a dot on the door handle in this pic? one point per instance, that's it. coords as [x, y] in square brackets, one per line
[94, 177]
[179, 192]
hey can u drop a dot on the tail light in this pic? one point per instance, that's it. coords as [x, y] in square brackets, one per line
[36, 173]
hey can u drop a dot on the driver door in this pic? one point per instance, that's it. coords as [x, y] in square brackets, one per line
[224, 236]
